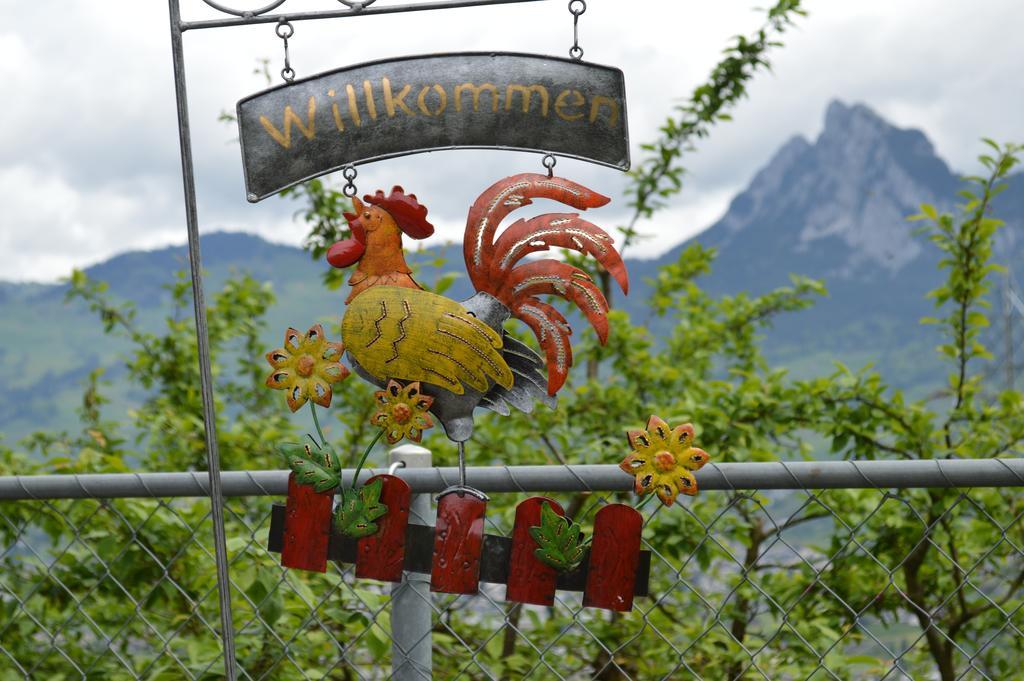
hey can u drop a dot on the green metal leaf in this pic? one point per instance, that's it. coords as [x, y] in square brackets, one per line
[559, 540]
[318, 468]
[359, 509]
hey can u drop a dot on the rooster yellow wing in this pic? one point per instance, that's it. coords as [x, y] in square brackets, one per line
[413, 335]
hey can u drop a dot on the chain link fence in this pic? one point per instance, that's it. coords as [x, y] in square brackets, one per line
[877, 577]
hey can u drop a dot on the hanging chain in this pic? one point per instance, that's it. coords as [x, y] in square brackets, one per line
[349, 173]
[549, 162]
[284, 31]
[576, 8]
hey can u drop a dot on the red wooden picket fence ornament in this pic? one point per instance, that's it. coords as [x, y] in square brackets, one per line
[614, 558]
[307, 527]
[529, 579]
[458, 542]
[382, 555]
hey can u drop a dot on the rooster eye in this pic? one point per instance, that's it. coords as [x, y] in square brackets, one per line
[366, 215]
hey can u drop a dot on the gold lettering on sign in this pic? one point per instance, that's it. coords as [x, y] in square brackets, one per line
[442, 100]
[431, 99]
[561, 105]
[353, 105]
[308, 130]
[613, 106]
[527, 94]
[338, 123]
[390, 101]
[486, 87]
[371, 106]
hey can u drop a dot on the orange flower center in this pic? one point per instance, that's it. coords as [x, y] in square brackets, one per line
[401, 412]
[305, 366]
[664, 461]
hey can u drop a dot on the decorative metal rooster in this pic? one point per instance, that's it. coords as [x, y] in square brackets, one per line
[458, 351]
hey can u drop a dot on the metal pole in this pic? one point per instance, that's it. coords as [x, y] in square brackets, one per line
[411, 612]
[935, 473]
[1008, 330]
[202, 344]
[342, 13]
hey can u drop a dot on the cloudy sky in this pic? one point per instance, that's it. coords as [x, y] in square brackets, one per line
[89, 161]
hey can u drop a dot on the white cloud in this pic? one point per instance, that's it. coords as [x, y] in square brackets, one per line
[88, 145]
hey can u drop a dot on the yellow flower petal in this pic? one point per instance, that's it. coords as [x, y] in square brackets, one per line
[320, 391]
[644, 483]
[695, 458]
[292, 340]
[278, 358]
[681, 437]
[635, 463]
[297, 395]
[686, 483]
[656, 428]
[667, 494]
[332, 352]
[638, 439]
[279, 380]
[314, 337]
[333, 373]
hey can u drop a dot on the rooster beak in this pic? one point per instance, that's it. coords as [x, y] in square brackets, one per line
[358, 205]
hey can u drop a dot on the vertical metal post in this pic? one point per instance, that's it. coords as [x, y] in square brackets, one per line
[203, 344]
[411, 612]
[1008, 311]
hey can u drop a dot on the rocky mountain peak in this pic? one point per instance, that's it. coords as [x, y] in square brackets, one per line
[855, 184]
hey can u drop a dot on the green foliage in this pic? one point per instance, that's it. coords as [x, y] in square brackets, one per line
[559, 540]
[318, 468]
[858, 547]
[358, 510]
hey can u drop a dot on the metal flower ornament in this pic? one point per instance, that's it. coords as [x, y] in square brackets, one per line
[306, 367]
[663, 459]
[403, 412]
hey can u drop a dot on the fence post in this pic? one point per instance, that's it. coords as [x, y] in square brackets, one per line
[411, 611]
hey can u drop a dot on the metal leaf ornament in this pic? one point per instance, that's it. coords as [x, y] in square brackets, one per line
[662, 460]
[319, 468]
[358, 510]
[559, 540]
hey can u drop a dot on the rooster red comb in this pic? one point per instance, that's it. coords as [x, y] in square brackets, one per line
[409, 214]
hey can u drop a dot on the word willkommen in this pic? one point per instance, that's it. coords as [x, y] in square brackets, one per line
[358, 105]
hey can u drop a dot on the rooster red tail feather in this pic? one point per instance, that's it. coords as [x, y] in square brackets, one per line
[551, 277]
[553, 331]
[559, 230]
[493, 265]
[503, 197]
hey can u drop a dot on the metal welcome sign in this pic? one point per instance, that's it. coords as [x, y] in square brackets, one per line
[394, 107]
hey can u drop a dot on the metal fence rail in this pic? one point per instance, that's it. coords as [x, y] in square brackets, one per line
[804, 475]
[810, 570]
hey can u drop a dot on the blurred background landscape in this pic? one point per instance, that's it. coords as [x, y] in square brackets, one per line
[833, 208]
